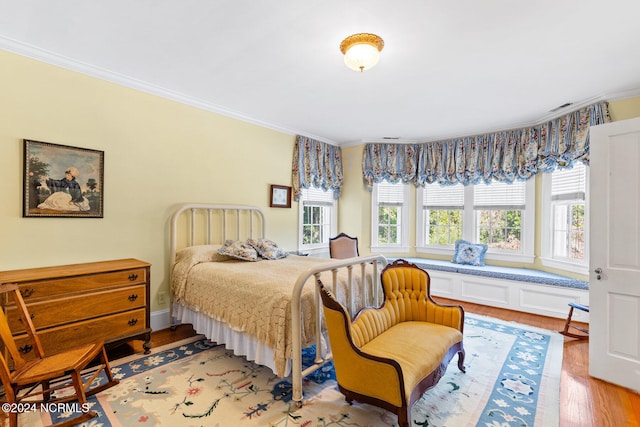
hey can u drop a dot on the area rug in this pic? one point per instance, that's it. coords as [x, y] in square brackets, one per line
[512, 379]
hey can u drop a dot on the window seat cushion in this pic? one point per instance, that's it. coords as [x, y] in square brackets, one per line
[508, 273]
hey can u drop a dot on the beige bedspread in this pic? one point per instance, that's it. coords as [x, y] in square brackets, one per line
[255, 297]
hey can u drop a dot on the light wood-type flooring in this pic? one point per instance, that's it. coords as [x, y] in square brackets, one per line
[584, 401]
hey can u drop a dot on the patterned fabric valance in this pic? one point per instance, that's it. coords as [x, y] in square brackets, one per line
[506, 156]
[316, 164]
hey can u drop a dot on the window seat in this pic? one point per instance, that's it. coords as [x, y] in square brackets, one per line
[519, 289]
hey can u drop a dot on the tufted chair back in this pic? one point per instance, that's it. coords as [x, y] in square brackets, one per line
[408, 295]
[407, 298]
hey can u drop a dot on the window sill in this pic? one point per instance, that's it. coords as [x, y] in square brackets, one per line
[491, 256]
[565, 266]
[389, 248]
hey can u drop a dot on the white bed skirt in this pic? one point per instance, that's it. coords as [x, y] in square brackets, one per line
[242, 344]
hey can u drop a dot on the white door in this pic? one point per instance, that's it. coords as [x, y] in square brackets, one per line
[614, 278]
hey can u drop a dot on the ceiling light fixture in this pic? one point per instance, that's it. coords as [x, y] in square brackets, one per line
[361, 51]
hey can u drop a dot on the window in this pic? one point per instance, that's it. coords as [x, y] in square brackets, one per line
[564, 239]
[500, 215]
[318, 219]
[499, 208]
[389, 217]
[442, 208]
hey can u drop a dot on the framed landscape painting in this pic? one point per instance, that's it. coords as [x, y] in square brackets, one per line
[62, 181]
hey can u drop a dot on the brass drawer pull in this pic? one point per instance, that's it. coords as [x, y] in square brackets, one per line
[25, 348]
[133, 277]
[133, 297]
[133, 322]
[26, 293]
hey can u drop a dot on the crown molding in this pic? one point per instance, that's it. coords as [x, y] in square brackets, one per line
[62, 61]
[33, 52]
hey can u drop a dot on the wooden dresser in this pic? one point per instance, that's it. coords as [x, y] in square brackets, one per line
[81, 303]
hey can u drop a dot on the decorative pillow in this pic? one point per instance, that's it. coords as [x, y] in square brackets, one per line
[267, 249]
[239, 250]
[469, 253]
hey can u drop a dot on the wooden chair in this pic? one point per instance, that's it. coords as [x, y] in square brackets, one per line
[343, 246]
[389, 356]
[568, 324]
[27, 378]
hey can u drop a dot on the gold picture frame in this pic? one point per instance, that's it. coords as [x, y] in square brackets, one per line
[62, 181]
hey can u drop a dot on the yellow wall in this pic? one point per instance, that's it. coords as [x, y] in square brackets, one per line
[157, 153]
[355, 209]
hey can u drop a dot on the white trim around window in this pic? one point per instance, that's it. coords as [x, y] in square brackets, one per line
[392, 196]
[568, 188]
[325, 222]
[524, 255]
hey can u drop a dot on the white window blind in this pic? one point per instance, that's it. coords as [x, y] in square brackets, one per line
[390, 194]
[569, 184]
[500, 195]
[436, 196]
[317, 197]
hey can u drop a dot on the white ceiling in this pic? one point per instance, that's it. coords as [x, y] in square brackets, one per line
[449, 67]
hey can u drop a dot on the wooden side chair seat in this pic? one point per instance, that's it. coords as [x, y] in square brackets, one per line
[36, 379]
[584, 335]
[343, 246]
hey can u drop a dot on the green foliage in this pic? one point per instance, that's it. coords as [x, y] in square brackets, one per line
[388, 224]
[445, 226]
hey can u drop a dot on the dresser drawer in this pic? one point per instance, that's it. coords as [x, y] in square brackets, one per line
[47, 313]
[102, 328]
[32, 291]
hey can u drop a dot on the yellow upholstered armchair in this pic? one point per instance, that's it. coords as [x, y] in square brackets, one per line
[389, 356]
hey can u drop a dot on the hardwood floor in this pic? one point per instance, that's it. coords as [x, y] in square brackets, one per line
[584, 401]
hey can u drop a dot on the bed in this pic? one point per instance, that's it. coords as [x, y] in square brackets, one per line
[265, 309]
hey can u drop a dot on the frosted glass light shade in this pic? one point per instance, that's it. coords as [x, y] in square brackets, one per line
[361, 51]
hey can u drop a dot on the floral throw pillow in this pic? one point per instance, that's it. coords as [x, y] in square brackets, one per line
[469, 253]
[267, 249]
[239, 250]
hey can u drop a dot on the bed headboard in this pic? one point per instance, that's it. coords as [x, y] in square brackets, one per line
[210, 224]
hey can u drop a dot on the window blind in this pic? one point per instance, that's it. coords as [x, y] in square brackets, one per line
[390, 194]
[317, 197]
[569, 184]
[443, 197]
[499, 195]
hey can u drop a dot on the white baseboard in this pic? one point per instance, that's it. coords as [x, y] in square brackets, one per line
[160, 320]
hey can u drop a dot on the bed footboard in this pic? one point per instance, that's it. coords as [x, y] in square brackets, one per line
[372, 265]
[206, 223]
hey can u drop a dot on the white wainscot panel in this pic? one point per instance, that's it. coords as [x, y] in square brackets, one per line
[485, 291]
[552, 301]
[443, 284]
[514, 295]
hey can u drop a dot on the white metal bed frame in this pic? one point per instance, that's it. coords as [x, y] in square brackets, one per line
[249, 221]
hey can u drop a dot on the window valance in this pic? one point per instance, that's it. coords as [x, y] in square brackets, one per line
[316, 165]
[507, 156]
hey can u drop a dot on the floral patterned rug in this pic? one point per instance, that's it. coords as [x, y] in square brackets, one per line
[512, 379]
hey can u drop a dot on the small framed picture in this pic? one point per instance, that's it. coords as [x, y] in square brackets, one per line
[62, 181]
[280, 196]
